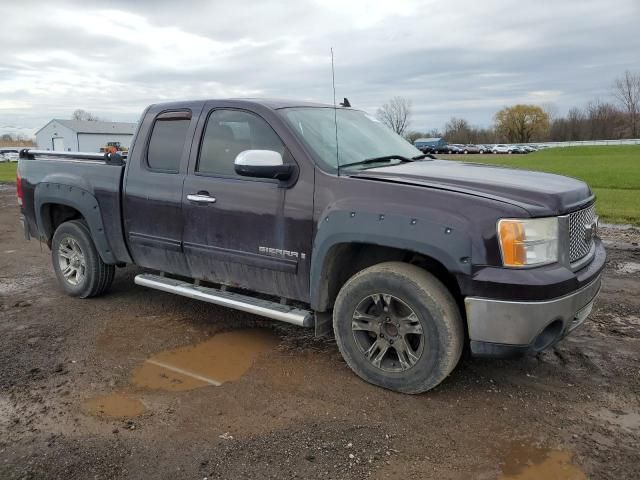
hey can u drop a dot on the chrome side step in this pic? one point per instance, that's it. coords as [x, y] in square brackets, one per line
[265, 308]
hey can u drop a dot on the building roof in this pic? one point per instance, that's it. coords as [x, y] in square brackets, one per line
[83, 126]
[432, 139]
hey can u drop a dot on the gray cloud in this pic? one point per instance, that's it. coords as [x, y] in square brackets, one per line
[462, 58]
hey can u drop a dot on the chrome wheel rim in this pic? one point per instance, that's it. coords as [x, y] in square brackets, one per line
[71, 260]
[388, 333]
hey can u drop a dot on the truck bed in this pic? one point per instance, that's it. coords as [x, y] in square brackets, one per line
[94, 178]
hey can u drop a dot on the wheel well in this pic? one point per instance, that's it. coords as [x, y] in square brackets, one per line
[347, 259]
[54, 215]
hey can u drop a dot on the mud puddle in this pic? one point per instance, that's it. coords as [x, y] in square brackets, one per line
[116, 405]
[525, 461]
[223, 358]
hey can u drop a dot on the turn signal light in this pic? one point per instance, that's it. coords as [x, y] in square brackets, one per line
[512, 238]
[528, 241]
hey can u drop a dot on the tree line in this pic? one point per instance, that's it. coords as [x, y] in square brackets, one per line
[11, 140]
[617, 118]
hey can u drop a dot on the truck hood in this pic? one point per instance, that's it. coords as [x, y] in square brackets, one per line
[537, 192]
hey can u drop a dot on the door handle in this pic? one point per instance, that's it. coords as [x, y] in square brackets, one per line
[199, 198]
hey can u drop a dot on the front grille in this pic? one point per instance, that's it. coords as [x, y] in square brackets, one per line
[580, 240]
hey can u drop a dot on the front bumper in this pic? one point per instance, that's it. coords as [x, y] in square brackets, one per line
[503, 328]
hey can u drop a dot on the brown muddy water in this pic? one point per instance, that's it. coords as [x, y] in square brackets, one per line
[223, 358]
[115, 405]
[526, 461]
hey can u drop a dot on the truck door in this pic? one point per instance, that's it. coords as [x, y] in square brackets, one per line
[152, 201]
[240, 231]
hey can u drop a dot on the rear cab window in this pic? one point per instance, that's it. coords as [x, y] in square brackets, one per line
[167, 141]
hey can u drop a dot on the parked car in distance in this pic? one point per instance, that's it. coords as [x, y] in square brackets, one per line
[9, 154]
[430, 145]
[453, 148]
[253, 205]
[470, 148]
[485, 149]
[446, 148]
[501, 148]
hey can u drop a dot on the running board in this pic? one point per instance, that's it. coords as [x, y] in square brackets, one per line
[264, 308]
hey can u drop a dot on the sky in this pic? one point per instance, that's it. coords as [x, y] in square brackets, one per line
[463, 58]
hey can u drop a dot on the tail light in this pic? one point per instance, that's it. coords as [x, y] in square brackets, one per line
[19, 188]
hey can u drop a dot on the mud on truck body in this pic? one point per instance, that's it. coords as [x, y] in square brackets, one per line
[251, 204]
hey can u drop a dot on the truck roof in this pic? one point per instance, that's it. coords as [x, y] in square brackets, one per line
[273, 103]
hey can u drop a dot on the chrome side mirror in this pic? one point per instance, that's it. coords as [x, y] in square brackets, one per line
[262, 164]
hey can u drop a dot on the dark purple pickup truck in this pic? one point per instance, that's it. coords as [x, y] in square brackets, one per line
[324, 218]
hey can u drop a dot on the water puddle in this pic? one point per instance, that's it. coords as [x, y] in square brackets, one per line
[116, 405]
[628, 267]
[529, 462]
[223, 358]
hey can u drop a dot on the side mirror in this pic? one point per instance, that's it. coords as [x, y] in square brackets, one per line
[262, 164]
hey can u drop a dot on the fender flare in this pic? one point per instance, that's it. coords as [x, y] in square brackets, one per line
[79, 199]
[451, 247]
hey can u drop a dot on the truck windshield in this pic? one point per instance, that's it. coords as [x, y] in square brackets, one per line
[360, 137]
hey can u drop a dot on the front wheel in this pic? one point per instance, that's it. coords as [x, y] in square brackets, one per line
[398, 327]
[76, 262]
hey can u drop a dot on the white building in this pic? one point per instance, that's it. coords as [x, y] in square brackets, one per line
[83, 136]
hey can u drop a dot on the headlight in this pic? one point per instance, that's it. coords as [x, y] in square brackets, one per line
[525, 242]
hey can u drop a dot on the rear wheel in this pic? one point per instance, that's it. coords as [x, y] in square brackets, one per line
[76, 262]
[398, 327]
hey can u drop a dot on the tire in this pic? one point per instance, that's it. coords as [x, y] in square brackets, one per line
[76, 262]
[465, 152]
[422, 317]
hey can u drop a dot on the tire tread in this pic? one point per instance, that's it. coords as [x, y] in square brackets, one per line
[443, 301]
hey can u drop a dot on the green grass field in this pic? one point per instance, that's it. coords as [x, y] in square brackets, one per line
[613, 172]
[8, 172]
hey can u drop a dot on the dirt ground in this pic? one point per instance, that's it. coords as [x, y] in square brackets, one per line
[126, 386]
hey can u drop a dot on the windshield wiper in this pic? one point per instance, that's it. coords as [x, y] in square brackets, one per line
[423, 156]
[378, 159]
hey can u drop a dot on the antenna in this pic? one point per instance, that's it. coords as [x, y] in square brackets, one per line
[335, 111]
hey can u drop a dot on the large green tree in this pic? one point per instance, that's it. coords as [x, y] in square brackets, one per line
[522, 123]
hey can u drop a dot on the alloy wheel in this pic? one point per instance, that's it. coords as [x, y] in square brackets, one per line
[72, 262]
[388, 332]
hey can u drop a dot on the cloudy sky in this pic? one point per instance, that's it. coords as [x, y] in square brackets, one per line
[462, 58]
